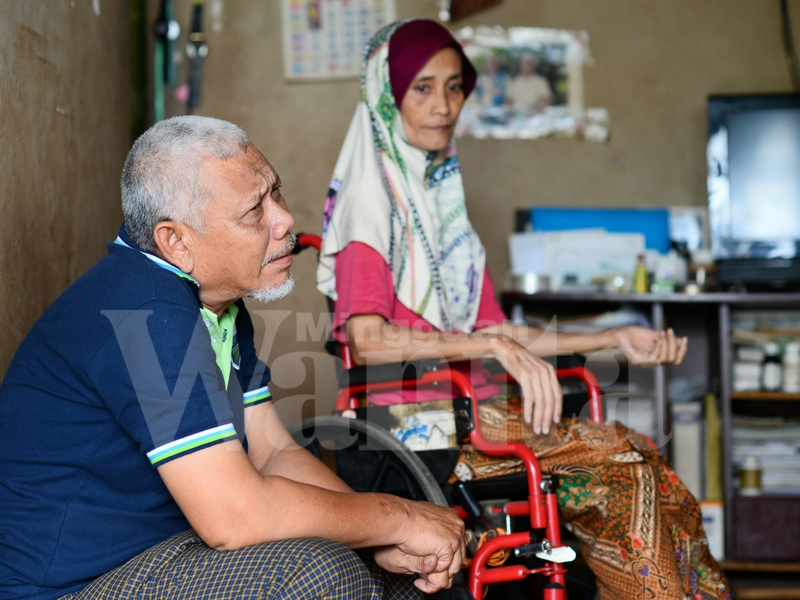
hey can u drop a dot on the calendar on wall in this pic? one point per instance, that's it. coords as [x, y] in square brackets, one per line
[324, 39]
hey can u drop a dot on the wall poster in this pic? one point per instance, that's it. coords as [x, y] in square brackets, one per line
[530, 84]
[324, 39]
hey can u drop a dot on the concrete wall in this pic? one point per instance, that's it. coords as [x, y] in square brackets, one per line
[64, 131]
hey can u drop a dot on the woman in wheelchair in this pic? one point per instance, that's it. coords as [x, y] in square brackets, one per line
[407, 273]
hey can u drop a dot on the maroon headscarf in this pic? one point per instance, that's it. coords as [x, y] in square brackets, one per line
[412, 46]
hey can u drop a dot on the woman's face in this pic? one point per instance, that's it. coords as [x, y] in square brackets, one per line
[433, 102]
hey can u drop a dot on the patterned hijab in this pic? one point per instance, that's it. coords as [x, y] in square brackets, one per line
[389, 195]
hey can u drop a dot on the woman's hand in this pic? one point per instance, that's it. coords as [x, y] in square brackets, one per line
[541, 393]
[648, 347]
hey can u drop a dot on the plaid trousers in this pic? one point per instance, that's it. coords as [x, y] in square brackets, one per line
[183, 567]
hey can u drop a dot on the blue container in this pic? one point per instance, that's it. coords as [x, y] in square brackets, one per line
[652, 222]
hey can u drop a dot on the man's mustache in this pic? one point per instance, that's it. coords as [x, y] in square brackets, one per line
[287, 248]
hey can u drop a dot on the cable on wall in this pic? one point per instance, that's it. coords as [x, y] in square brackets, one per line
[788, 46]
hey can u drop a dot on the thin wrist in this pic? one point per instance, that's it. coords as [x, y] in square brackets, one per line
[498, 345]
[609, 340]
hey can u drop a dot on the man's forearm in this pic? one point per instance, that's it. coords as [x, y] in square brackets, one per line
[304, 510]
[298, 464]
[231, 505]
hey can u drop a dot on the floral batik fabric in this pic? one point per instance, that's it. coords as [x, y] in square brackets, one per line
[405, 203]
[639, 527]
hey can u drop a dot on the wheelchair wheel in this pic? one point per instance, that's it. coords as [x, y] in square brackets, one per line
[367, 457]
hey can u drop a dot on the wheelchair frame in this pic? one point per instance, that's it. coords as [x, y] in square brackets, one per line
[540, 507]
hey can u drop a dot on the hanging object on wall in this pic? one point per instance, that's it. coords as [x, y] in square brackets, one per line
[464, 8]
[444, 10]
[196, 51]
[166, 30]
[530, 84]
[324, 39]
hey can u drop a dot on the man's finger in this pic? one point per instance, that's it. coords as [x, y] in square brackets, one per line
[398, 561]
[433, 582]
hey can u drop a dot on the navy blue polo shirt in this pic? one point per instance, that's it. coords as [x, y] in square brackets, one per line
[117, 377]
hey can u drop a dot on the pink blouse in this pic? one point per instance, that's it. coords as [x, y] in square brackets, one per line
[364, 285]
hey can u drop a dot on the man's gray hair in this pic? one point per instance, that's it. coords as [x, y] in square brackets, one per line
[161, 176]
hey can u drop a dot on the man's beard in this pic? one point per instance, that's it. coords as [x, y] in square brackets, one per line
[273, 292]
[276, 292]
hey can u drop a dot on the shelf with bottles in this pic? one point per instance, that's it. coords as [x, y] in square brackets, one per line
[766, 354]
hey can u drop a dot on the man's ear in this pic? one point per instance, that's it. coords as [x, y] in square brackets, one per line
[174, 243]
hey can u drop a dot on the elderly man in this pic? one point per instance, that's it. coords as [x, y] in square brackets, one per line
[136, 413]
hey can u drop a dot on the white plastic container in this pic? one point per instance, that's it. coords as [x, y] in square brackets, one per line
[791, 368]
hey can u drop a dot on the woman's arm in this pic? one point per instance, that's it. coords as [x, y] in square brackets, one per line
[374, 341]
[642, 346]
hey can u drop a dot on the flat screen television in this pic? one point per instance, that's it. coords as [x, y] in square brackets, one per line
[753, 157]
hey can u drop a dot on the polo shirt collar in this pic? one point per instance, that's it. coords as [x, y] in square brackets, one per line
[221, 329]
[124, 240]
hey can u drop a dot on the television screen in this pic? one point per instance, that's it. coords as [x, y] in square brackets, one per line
[764, 172]
[754, 176]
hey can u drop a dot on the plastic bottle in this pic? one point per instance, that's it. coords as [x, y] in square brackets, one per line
[640, 276]
[772, 374]
[791, 368]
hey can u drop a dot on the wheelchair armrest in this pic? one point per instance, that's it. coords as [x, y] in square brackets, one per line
[560, 361]
[413, 369]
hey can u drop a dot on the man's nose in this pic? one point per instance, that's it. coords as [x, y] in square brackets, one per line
[281, 222]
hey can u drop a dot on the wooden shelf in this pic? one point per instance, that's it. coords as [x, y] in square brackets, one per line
[766, 593]
[761, 567]
[764, 396]
[751, 580]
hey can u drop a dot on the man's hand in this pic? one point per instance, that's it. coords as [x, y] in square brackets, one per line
[541, 393]
[433, 548]
[648, 347]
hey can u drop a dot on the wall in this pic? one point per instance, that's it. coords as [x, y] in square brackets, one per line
[655, 62]
[64, 130]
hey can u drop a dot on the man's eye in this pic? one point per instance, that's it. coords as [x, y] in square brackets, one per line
[422, 88]
[454, 87]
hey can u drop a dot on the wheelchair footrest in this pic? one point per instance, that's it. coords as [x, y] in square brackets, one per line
[562, 554]
[545, 551]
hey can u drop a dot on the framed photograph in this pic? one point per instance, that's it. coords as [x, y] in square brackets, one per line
[530, 82]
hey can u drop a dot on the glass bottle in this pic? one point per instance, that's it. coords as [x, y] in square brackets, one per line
[640, 276]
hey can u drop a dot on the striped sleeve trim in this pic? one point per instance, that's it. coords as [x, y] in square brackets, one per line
[257, 396]
[190, 443]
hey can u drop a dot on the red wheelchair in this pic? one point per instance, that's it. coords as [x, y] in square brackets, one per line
[390, 466]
